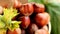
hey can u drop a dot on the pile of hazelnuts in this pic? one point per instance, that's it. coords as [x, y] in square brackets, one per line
[34, 19]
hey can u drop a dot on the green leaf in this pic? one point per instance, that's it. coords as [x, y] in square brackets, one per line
[38, 1]
[45, 1]
[53, 1]
[54, 11]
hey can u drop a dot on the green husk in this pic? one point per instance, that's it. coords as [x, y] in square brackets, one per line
[6, 20]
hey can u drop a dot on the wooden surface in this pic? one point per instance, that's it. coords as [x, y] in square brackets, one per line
[23, 1]
[5, 2]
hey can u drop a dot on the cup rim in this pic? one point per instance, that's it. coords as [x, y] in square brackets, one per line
[49, 24]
